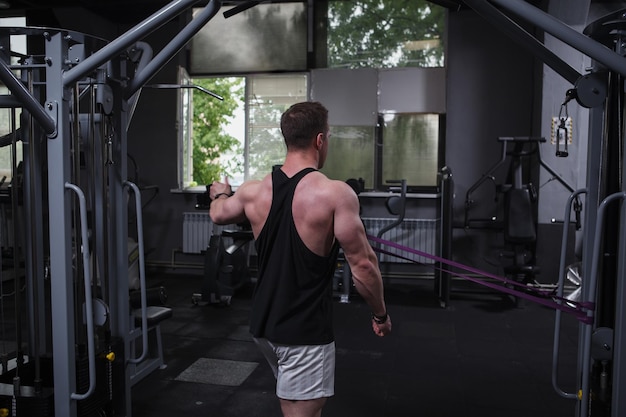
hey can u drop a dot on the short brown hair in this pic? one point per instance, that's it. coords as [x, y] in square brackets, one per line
[302, 122]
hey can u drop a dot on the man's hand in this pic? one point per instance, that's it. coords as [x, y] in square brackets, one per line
[382, 329]
[218, 189]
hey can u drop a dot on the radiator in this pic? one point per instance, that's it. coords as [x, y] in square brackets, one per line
[419, 234]
[197, 230]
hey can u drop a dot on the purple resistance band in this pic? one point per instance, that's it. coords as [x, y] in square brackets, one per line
[545, 298]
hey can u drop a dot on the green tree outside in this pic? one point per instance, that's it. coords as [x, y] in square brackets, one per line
[385, 34]
[210, 141]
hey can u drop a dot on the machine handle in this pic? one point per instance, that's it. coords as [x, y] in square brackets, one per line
[142, 275]
[557, 320]
[400, 218]
[88, 300]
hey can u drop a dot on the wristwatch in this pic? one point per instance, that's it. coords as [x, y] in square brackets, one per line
[380, 319]
[216, 196]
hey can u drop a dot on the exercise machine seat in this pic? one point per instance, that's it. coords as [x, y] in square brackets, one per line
[154, 315]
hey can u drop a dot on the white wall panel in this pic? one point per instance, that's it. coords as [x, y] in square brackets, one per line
[412, 90]
[349, 95]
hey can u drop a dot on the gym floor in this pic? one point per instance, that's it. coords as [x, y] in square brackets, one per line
[480, 356]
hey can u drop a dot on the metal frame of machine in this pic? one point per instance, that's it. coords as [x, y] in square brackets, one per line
[601, 362]
[78, 94]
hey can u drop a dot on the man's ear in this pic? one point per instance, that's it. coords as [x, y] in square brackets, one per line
[319, 141]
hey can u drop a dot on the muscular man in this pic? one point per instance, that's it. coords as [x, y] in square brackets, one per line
[299, 220]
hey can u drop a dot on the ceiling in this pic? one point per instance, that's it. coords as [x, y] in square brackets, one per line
[128, 9]
[115, 10]
[136, 10]
[133, 6]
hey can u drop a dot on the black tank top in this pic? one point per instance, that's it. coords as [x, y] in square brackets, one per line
[293, 296]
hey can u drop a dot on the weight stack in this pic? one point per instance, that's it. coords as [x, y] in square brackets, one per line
[99, 403]
[27, 402]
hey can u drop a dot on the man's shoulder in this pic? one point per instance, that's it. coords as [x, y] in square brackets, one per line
[258, 182]
[252, 187]
[331, 188]
[320, 177]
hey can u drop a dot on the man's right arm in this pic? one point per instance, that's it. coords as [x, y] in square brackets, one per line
[226, 207]
[360, 256]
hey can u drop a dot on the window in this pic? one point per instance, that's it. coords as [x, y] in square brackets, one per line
[411, 145]
[364, 58]
[209, 148]
[185, 144]
[385, 34]
[351, 154]
[9, 122]
[240, 135]
[246, 141]
[268, 97]
[9, 118]
[386, 124]
[299, 35]
[266, 37]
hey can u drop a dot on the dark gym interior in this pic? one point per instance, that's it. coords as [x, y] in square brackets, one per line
[484, 140]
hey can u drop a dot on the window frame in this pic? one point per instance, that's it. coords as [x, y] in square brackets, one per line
[185, 137]
[381, 183]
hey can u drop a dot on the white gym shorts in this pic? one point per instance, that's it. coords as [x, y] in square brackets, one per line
[302, 372]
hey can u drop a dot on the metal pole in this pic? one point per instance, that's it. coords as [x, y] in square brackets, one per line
[9, 102]
[138, 32]
[593, 198]
[145, 56]
[30, 103]
[61, 288]
[521, 36]
[173, 47]
[591, 297]
[618, 400]
[565, 33]
[35, 237]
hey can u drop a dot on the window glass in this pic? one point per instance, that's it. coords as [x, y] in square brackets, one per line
[268, 97]
[239, 136]
[185, 144]
[210, 135]
[266, 37]
[351, 154]
[385, 34]
[10, 120]
[411, 148]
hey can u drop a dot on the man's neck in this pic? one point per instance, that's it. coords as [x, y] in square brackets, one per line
[297, 161]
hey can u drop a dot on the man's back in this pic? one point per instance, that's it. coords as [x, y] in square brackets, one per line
[292, 302]
[313, 208]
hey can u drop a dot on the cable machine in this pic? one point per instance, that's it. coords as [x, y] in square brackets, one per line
[76, 349]
[602, 341]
